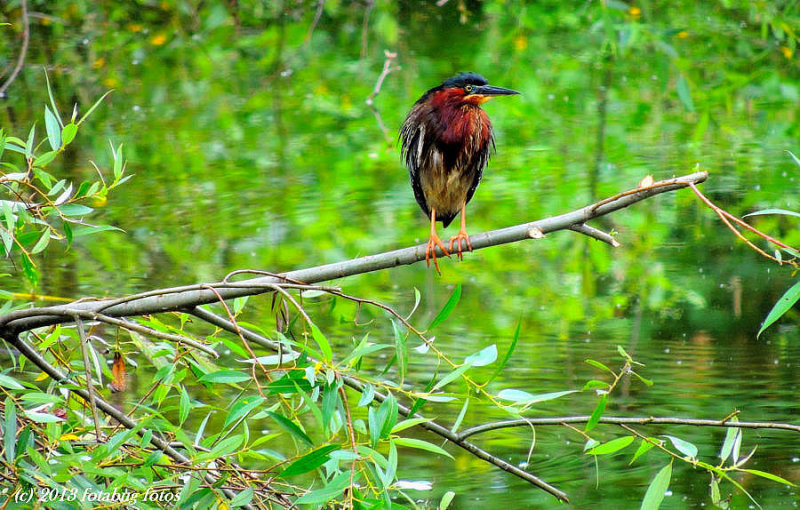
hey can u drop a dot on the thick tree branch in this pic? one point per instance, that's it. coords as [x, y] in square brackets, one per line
[625, 420]
[188, 297]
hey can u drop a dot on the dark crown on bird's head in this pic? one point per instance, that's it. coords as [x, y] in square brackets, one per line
[463, 79]
[458, 81]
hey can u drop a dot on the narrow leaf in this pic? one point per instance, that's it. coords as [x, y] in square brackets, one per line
[485, 357]
[657, 489]
[781, 307]
[310, 461]
[68, 133]
[769, 476]
[95, 105]
[730, 441]
[597, 413]
[685, 447]
[643, 448]
[421, 445]
[448, 308]
[451, 376]
[53, 129]
[684, 94]
[783, 212]
[508, 354]
[612, 446]
[327, 493]
[525, 398]
[10, 430]
[322, 342]
[444, 504]
[291, 427]
[224, 376]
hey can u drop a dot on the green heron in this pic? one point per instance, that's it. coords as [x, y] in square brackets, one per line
[447, 140]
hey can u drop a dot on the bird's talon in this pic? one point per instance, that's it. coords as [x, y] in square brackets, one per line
[462, 236]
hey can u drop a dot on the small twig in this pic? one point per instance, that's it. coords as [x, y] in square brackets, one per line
[598, 234]
[727, 217]
[628, 420]
[26, 34]
[317, 16]
[387, 68]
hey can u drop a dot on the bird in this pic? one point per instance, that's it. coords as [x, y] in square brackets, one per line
[446, 142]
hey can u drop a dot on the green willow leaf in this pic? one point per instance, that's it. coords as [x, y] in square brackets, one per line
[657, 489]
[290, 427]
[421, 445]
[783, 212]
[225, 377]
[310, 461]
[644, 448]
[484, 357]
[769, 476]
[242, 407]
[448, 308]
[444, 504]
[10, 430]
[53, 129]
[612, 446]
[322, 342]
[783, 305]
[683, 446]
[508, 354]
[327, 493]
[599, 409]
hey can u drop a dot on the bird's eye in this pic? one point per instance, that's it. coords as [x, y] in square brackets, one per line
[469, 89]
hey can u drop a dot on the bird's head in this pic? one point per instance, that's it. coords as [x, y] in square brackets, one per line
[470, 88]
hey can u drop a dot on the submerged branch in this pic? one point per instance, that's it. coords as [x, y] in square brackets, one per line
[626, 420]
[166, 300]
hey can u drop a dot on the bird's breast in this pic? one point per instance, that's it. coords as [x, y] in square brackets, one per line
[445, 186]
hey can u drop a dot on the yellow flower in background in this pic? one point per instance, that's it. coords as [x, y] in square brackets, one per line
[683, 34]
[100, 62]
[110, 82]
[158, 39]
[520, 42]
[135, 27]
[635, 11]
[787, 52]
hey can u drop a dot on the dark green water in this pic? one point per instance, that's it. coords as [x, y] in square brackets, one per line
[253, 148]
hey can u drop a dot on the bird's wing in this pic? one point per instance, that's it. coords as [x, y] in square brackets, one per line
[413, 151]
[480, 160]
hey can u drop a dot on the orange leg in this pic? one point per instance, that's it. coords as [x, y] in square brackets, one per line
[433, 242]
[462, 234]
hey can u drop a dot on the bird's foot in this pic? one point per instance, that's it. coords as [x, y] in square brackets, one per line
[430, 251]
[458, 239]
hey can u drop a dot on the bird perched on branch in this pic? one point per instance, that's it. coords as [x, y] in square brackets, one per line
[447, 140]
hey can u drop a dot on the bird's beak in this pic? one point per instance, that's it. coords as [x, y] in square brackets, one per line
[491, 90]
[486, 92]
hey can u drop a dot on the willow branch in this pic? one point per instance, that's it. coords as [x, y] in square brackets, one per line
[626, 420]
[168, 300]
[57, 375]
[429, 425]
